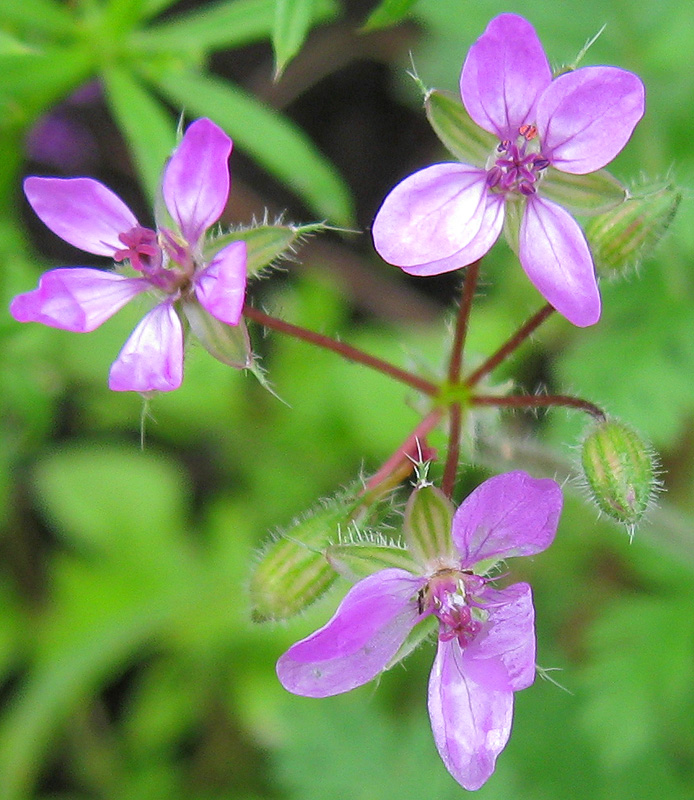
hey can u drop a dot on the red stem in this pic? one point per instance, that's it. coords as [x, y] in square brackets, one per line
[508, 347]
[345, 350]
[540, 401]
[400, 456]
[454, 368]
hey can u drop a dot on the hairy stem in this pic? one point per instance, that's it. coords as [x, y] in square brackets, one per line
[509, 346]
[342, 349]
[454, 369]
[540, 401]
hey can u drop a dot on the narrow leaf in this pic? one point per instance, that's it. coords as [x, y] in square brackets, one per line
[283, 149]
[40, 15]
[291, 26]
[34, 82]
[147, 125]
[10, 46]
[389, 12]
[226, 24]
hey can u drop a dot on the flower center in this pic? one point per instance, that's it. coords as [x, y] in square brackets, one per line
[517, 165]
[140, 248]
[446, 595]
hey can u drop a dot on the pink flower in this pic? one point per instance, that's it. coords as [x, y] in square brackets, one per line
[486, 640]
[448, 215]
[170, 261]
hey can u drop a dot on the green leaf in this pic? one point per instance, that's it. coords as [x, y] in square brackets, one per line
[113, 500]
[595, 193]
[291, 26]
[11, 46]
[32, 83]
[147, 125]
[40, 16]
[389, 12]
[122, 621]
[270, 138]
[152, 7]
[226, 24]
[457, 131]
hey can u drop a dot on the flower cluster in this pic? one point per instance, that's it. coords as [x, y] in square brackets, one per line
[537, 140]
[170, 261]
[486, 640]
[448, 215]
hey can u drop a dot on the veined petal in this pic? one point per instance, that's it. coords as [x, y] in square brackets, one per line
[492, 223]
[81, 211]
[555, 256]
[586, 117]
[196, 180]
[430, 215]
[366, 631]
[508, 515]
[470, 722]
[76, 299]
[504, 74]
[152, 358]
[507, 641]
[221, 286]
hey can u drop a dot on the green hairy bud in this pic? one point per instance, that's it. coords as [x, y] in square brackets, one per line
[621, 238]
[293, 571]
[620, 468]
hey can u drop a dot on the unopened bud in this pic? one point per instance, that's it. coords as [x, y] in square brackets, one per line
[621, 238]
[621, 471]
[293, 571]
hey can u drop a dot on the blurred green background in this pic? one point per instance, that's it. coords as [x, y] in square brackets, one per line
[129, 664]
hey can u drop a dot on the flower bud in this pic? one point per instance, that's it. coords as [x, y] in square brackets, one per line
[293, 571]
[620, 239]
[621, 471]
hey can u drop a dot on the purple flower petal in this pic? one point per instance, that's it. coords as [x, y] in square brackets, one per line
[508, 515]
[555, 256]
[221, 286]
[196, 181]
[502, 655]
[586, 117]
[492, 223]
[471, 723]
[504, 74]
[77, 299]
[430, 215]
[152, 358]
[81, 211]
[365, 632]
